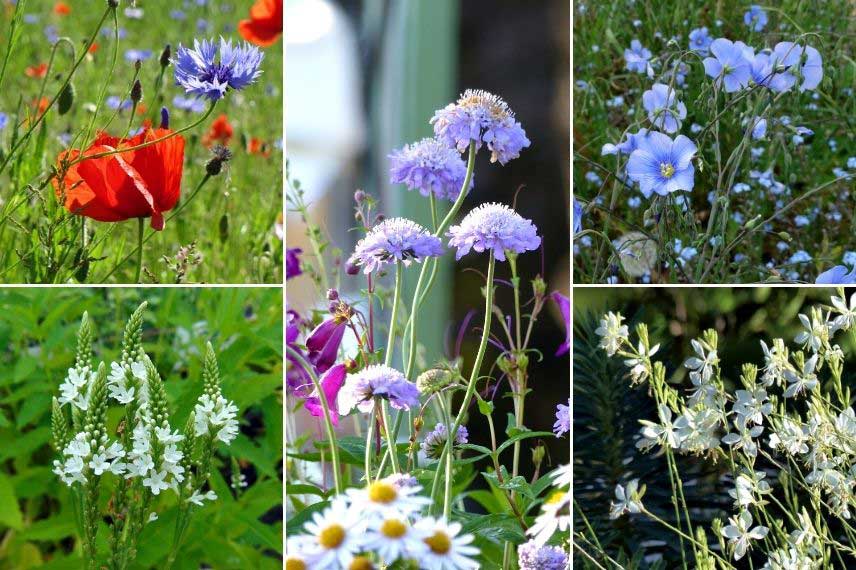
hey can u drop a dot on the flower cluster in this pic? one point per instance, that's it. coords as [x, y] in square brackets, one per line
[810, 443]
[395, 240]
[430, 167]
[435, 441]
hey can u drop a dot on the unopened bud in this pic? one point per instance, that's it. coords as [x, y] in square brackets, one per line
[359, 196]
[332, 295]
[137, 91]
[433, 380]
[165, 56]
[352, 268]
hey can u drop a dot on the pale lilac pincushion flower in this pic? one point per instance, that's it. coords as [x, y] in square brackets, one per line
[494, 227]
[202, 73]
[804, 61]
[530, 556]
[662, 165]
[377, 381]
[435, 441]
[730, 65]
[394, 240]
[636, 57]
[482, 118]
[430, 167]
[563, 419]
[664, 110]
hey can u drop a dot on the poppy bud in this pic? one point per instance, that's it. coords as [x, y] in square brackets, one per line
[66, 99]
[137, 91]
[165, 56]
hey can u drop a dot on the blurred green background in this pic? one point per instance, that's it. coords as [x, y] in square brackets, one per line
[37, 344]
[607, 409]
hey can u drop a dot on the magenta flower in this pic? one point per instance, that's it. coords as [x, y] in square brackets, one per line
[331, 382]
[564, 305]
[323, 342]
[295, 376]
[292, 262]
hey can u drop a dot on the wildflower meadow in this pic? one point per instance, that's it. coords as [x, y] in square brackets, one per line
[383, 465]
[140, 142]
[714, 142]
[141, 428]
[715, 430]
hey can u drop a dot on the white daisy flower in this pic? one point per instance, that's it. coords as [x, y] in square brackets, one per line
[333, 537]
[393, 538]
[555, 515]
[382, 497]
[447, 549]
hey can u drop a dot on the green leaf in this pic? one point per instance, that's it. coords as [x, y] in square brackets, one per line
[485, 406]
[516, 484]
[10, 512]
[304, 489]
[499, 527]
[294, 525]
[522, 435]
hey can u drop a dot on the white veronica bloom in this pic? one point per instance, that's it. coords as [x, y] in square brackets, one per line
[218, 416]
[804, 381]
[155, 482]
[627, 498]
[612, 331]
[740, 532]
[99, 463]
[75, 389]
[198, 497]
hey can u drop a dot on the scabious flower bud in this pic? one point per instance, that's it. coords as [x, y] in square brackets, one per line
[137, 91]
[359, 196]
[332, 295]
[352, 268]
[434, 380]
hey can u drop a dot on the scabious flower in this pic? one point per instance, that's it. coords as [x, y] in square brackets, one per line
[729, 66]
[482, 118]
[661, 165]
[430, 167]
[755, 18]
[202, 73]
[530, 556]
[838, 275]
[378, 381]
[799, 61]
[664, 110]
[292, 262]
[563, 419]
[435, 441]
[493, 227]
[700, 41]
[637, 57]
[395, 239]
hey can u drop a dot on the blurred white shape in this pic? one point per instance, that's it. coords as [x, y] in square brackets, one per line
[324, 122]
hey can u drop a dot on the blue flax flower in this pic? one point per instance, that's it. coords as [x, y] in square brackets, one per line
[636, 57]
[838, 275]
[203, 74]
[4, 120]
[630, 143]
[798, 61]
[578, 216]
[664, 110]
[430, 167]
[482, 118]
[700, 41]
[661, 165]
[393, 240]
[755, 18]
[494, 227]
[730, 64]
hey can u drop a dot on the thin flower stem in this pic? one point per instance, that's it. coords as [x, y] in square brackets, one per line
[390, 442]
[328, 424]
[141, 229]
[474, 374]
[393, 319]
[655, 518]
[447, 494]
[369, 436]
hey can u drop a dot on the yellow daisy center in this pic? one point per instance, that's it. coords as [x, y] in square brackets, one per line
[667, 170]
[439, 542]
[381, 492]
[360, 563]
[555, 497]
[393, 528]
[294, 564]
[332, 536]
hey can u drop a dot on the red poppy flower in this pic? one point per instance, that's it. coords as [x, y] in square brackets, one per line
[220, 131]
[37, 71]
[265, 23]
[129, 184]
[258, 146]
[93, 48]
[62, 9]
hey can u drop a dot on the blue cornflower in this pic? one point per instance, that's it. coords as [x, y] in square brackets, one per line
[838, 275]
[578, 216]
[661, 165]
[51, 34]
[133, 55]
[631, 142]
[755, 18]
[178, 15]
[636, 57]
[134, 13]
[805, 62]
[188, 104]
[494, 227]
[664, 110]
[730, 66]
[110, 32]
[482, 118]
[201, 73]
[759, 128]
[430, 167]
[700, 41]
[202, 25]
[117, 103]
[4, 120]
[394, 240]
[31, 18]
